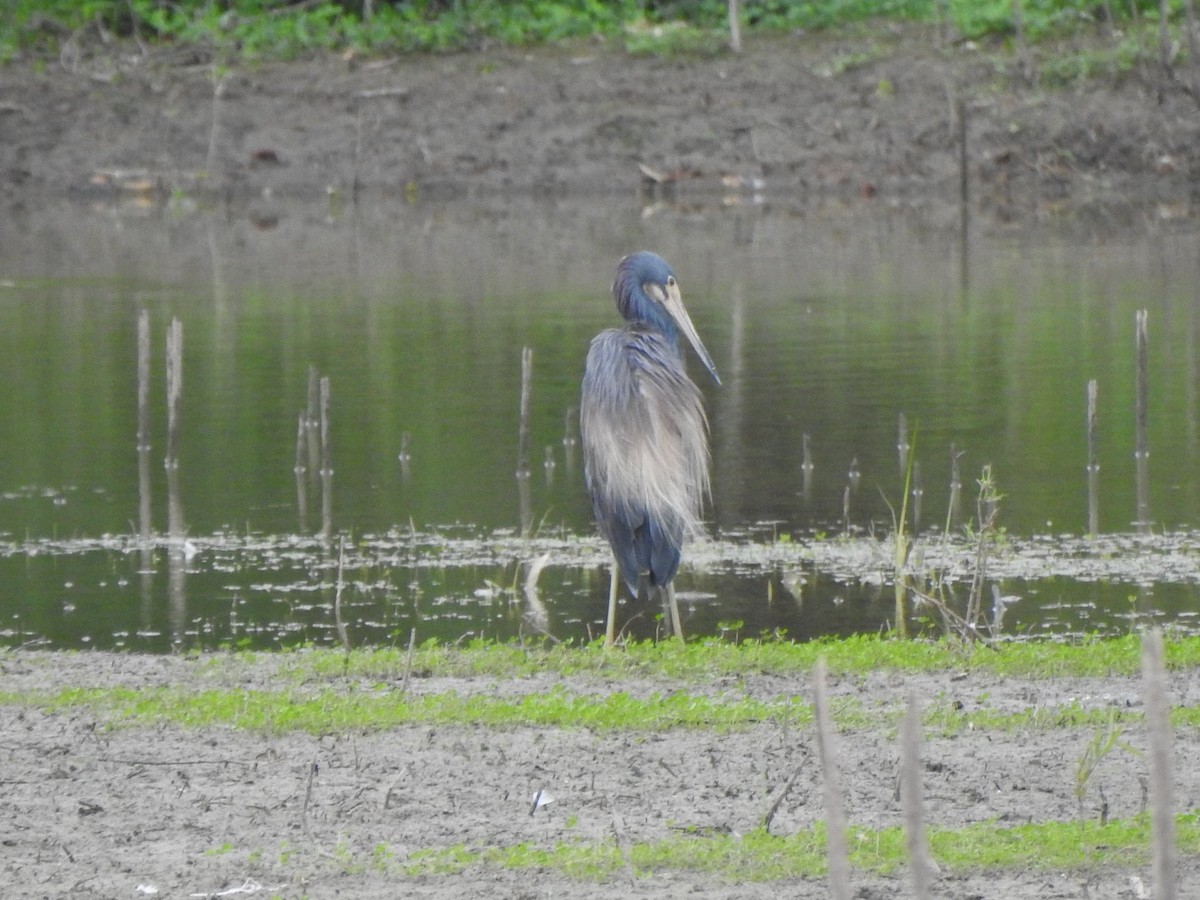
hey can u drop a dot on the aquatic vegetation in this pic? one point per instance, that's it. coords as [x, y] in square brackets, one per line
[264, 590]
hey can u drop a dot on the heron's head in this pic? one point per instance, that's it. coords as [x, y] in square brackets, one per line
[646, 292]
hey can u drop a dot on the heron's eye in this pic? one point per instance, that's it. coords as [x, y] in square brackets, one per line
[671, 281]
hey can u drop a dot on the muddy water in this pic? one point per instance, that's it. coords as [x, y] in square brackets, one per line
[828, 322]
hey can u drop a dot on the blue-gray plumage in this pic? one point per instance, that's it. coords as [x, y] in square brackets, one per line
[644, 431]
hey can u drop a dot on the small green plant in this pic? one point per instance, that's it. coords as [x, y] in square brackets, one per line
[1105, 739]
[974, 623]
[902, 543]
[730, 628]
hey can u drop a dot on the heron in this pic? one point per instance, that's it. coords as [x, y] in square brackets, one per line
[645, 433]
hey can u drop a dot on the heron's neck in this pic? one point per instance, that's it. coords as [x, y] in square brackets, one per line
[667, 331]
[647, 316]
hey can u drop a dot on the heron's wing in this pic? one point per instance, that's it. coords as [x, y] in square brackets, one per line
[645, 446]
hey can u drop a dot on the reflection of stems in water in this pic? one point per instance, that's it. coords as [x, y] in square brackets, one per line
[177, 557]
[145, 521]
[569, 438]
[1141, 452]
[174, 390]
[918, 491]
[338, 622]
[570, 441]
[143, 372]
[953, 508]
[143, 435]
[313, 422]
[524, 412]
[405, 456]
[301, 472]
[525, 510]
[176, 560]
[537, 616]
[1093, 463]
[326, 463]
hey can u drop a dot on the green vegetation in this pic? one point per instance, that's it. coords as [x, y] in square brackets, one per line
[326, 691]
[284, 28]
[704, 660]
[327, 711]
[332, 711]
[761, 856]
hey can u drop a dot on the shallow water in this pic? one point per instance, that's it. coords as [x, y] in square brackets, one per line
[829, 321]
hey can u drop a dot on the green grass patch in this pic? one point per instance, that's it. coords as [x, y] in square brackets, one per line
[279, 29]
[331, 711]
[761, 856]
[323, 691]
[334, 711]
[703, 660]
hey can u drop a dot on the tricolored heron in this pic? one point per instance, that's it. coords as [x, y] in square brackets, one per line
[644, 432]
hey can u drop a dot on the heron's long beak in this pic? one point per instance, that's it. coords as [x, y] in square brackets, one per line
[673, 304]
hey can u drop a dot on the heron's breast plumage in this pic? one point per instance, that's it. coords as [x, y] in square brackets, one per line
[644, 433]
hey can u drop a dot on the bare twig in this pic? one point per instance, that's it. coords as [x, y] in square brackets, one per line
[778, 801]
[308, 790]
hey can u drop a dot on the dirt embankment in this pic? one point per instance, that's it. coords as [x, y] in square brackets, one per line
[873, 116]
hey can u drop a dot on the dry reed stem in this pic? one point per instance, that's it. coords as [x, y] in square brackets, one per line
[835, 811]
[1158, 726]
[919, 860]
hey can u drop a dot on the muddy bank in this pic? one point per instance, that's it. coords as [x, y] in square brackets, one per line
[93, 811]
[872, 116]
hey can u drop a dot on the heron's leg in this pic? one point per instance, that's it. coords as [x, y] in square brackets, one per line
[673, 608]
[610, 628]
